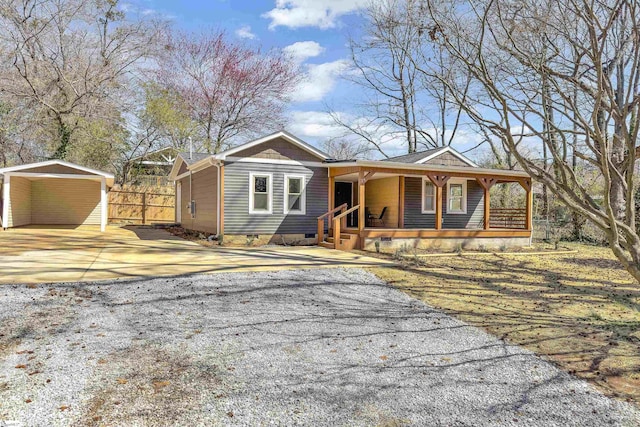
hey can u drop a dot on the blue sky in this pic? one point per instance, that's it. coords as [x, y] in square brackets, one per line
[314, 31]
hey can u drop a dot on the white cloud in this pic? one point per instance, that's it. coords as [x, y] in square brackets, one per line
[244, 32]
[301, 51]
[319, 80]
[316, 125]
[310, 13]
[125, 7]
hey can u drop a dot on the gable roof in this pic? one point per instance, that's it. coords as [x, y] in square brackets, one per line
[413, 157]
[55, 162]
[190, 160]
[25, 169]
[281, 134]
[422, 157]
[202, 160]
[194, 157]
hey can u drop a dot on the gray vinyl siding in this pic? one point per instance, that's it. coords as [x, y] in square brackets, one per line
[414, 218]
[238, 221]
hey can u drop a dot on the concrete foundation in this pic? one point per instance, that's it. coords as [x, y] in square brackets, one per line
[269, 239]
[447, 244]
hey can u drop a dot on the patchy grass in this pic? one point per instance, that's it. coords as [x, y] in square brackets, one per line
[581, 311]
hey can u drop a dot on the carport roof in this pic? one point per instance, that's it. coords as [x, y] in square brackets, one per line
[81, 169]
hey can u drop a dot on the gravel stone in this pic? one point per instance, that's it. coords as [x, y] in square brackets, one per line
[298, 347]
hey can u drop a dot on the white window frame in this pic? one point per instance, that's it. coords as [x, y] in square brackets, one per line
[303, 195]
[252, 176]
[462, 182]
[426, 180]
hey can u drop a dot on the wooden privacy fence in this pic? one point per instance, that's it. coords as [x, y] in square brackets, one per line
[141, 207]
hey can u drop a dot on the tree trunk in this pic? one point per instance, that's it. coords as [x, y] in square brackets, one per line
[64, 140]
[577, 220]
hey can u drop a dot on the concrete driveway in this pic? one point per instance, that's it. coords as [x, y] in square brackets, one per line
[41, 255]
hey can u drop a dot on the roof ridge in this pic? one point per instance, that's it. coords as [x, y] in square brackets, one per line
[428, 150]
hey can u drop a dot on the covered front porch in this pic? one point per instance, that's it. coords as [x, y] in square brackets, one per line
[422, 205]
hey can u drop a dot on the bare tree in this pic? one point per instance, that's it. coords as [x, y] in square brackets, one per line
[228, 88]
[340, 148]
[565, 72]
[69, 62]
[397, 71]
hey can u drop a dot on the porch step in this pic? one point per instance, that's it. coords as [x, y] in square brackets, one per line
[330, 239]
[348, 242]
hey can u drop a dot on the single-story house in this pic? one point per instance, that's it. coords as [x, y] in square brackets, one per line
[53, 192]
[280, 189]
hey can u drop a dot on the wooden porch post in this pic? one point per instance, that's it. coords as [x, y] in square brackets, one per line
[486, 184]
[526, 184]
[439, 181]
[401, 202]
[361, 201]
[438, 207]
[487, 209]
[331, 200]
[332, 190]
[529, 222]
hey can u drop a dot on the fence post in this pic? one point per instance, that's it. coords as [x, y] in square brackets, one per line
[144, 208]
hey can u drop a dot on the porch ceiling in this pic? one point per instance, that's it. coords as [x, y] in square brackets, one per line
[353, 177]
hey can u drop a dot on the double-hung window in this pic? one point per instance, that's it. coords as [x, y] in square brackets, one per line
[428, 196]
[294, 197]
[261, 193]
[457, 197]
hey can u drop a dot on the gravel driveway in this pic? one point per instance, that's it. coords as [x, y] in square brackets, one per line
[303, 347]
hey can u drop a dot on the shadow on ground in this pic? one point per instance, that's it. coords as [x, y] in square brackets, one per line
[583, 312]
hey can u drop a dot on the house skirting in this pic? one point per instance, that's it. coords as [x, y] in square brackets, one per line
[446, 243]
[269, 239]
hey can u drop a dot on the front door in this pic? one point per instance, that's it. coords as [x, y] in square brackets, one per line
[344, 194]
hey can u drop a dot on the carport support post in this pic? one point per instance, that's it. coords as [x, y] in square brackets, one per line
[103, 204]
[5, 201]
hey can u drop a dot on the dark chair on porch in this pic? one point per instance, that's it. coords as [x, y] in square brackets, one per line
[373, 220]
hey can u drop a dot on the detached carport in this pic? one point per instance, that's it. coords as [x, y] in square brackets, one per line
[54, 193]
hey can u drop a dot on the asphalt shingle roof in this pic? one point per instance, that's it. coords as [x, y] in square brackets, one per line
[413, 157]
[196, 157]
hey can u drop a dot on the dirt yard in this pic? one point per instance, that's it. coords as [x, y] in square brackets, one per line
[580, 310]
